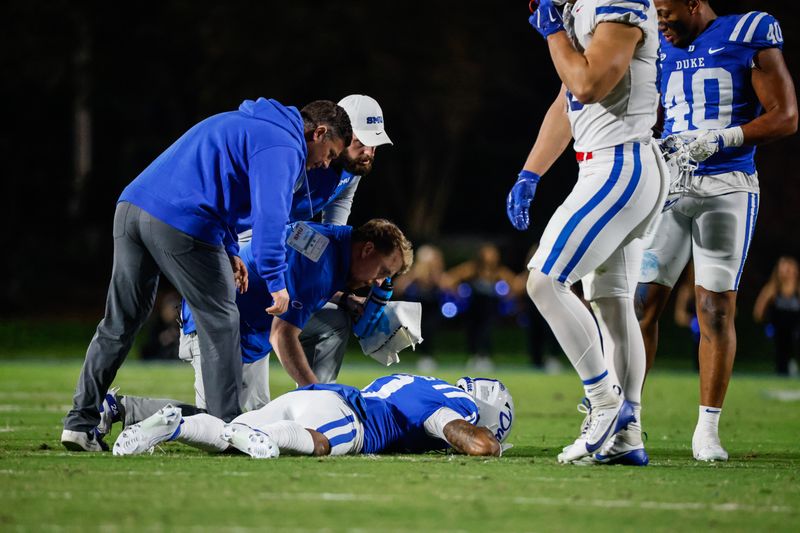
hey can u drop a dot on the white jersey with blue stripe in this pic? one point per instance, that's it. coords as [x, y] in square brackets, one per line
[707, 85]
[628, 112]
[393, 410]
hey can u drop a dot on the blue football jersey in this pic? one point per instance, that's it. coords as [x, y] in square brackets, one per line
[393, 410]
[324, 186]
[309, 283]
[707, 85]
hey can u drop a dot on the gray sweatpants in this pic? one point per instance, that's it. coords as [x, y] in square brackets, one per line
[324, 339]
[145, 247]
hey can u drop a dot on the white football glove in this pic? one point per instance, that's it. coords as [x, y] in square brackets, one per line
[709, 143]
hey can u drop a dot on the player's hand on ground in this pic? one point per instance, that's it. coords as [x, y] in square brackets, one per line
[519, 199]
[239, 274]
[280, 302]
[546, 19]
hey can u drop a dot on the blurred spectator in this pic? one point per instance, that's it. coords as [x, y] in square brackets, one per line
[423, 284]
[779, 304]
[163, 332]
[542, 344]
[686, 311]
[488, 282]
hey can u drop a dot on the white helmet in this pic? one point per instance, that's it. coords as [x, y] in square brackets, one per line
[495, 406]
[680, 166]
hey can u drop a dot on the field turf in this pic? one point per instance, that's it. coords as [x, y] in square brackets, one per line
[45, 488]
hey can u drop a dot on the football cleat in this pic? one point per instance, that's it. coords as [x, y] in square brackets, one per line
[619, 452]
[110, 412]
[707, 447]
[603, 424]
[83, 441]
[143, 436]
[583, 408]
[251, 441]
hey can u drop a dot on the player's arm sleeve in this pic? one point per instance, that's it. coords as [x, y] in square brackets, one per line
[338, 211]
[273, 173]
[631, 12]
[757, 30]
[434, 424]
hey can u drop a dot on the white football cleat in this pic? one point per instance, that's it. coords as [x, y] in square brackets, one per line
[602, 425]
[83, 441]
[707, 447]
[142, 437]
[619, 451]
[254, 443]
[583, 408]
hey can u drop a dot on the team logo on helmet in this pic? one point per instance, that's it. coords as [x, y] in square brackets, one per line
[495, 405]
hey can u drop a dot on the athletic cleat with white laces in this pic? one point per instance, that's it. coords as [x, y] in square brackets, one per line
[602, 425]
[83, 441]
[583, 408]
[110, 412]
[707, 447]
[139, 438]
[254, 443]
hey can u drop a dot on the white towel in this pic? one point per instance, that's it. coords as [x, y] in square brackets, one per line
[399, 327]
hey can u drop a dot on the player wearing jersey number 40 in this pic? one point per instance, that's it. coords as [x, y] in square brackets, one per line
[724, 89]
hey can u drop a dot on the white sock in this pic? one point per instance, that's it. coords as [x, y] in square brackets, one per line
[289, 436]
[622, 344]
[573, 326]
[600, 392]
[203, 431]
[708, 420]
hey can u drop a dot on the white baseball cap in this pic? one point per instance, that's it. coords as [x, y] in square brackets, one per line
[366, 118]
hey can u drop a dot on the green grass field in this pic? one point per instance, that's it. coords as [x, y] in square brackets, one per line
[44, 488]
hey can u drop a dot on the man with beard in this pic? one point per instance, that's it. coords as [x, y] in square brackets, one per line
[331, 190]
[175, 220]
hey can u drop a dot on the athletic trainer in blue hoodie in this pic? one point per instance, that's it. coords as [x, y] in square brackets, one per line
[232, 169]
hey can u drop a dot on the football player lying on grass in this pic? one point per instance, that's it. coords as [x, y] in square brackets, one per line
[400, 413]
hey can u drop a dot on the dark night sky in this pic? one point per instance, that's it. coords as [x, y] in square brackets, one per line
[463, 86]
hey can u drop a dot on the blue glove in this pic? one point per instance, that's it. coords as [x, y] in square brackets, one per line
[519, 199]
[546, 19]
[378, 297]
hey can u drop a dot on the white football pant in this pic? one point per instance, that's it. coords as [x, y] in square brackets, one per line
[715, 232]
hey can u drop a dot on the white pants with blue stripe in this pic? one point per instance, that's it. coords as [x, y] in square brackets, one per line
[320, 410]
[715, 232]
[615, 200]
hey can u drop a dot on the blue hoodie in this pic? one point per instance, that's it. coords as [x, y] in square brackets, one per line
[233, 167]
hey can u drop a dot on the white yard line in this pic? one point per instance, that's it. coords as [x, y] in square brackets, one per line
[660, 506]
[526, 501]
